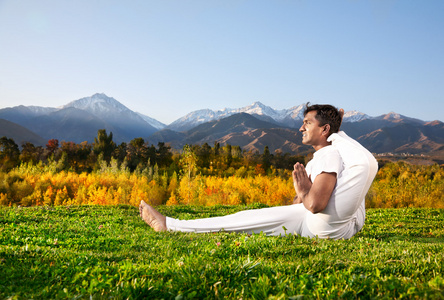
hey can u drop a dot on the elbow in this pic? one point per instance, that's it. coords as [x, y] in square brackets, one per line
[314, 208]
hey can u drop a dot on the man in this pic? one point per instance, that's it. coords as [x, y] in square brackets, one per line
[330, 200]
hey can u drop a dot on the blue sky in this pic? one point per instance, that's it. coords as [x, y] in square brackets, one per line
[168, 58]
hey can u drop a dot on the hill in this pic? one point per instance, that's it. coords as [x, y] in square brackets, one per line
[19, 134]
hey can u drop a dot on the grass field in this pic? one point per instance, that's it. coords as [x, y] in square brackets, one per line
[108, 252]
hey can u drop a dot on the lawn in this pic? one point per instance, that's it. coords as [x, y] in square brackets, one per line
[80, 252]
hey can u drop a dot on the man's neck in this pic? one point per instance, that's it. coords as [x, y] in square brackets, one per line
[320, 146]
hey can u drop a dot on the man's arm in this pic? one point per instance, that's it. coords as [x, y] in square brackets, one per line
[314, 195]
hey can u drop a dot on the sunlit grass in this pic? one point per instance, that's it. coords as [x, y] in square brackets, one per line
[107, 251]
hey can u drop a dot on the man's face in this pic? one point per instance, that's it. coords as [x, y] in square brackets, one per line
[312, 131]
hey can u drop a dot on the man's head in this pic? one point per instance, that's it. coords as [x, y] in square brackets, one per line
[320, 121]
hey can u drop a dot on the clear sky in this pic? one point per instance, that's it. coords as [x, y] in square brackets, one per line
[166, 58]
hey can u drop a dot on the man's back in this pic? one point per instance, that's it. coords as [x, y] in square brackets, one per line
[345, 211]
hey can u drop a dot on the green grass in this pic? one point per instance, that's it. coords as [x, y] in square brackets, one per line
[108, 252]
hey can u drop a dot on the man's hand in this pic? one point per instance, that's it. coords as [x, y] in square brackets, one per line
[314, 195]
[301, 182]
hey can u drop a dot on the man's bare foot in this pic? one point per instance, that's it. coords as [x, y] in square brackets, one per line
[152, 217]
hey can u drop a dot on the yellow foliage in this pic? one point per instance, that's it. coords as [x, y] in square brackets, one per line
[396, 185]
[4, 199]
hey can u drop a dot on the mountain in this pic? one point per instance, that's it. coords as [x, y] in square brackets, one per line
[386, 133]
[80, 120]
[19, 134]
[291, 117]
[242, 129]
[153, 122]
[252, 127]
[123, 122]
[256, 109]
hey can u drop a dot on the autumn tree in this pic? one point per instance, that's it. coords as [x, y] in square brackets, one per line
[188, 162]
[77, 155]
[51, 148]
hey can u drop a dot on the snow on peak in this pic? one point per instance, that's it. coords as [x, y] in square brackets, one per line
[153, 122]
[98, 104]
[392, 116]
[354, 116]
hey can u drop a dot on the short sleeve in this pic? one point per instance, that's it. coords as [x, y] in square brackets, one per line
[326, 160]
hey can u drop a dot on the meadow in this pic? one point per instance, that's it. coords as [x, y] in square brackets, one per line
[69, 229]
[107, 251]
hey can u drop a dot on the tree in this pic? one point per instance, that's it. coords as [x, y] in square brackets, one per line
[30, 153]
[266, 159]
[120, 152]
[227, 156]
[9, 154]
[77, 155]
[164, 155]
[203, 154]
[103, 144]
[51, 147]
[188, 162]
[136, 153]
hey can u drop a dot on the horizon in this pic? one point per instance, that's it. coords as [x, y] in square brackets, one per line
[374, 57]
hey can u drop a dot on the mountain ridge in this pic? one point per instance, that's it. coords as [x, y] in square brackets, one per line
[251, 127]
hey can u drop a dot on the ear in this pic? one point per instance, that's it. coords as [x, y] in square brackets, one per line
[326, 130]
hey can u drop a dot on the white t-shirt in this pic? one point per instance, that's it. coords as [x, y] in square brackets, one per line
[355, 168]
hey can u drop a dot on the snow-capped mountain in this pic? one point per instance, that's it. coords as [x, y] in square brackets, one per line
[257, 109]
[80, 120]
[153, 122]
[40, 110]
[98, 104]
[252, 127]
[291, 117]
[354, 116]
[103, 106]
[395, 117]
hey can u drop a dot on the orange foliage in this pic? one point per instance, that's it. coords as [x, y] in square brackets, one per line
[396, 185]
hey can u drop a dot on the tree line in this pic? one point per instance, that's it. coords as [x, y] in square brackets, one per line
[138, 154]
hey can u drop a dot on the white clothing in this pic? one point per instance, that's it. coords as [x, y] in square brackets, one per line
[343, 216]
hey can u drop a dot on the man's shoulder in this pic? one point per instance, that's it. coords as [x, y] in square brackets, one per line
[327, 151]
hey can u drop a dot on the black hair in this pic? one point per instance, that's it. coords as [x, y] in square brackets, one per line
[326, 114]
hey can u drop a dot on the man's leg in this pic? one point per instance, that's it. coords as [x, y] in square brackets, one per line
[278, 220]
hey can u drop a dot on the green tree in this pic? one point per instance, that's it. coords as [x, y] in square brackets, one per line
[77, 155]
[103, 144]
[9, 154]
[266, 159]
[30, 153]
[137, 153]
[203, 154]
[120, 152]
[164, 155]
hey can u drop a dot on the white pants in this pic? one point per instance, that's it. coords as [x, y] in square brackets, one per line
[279, 220]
